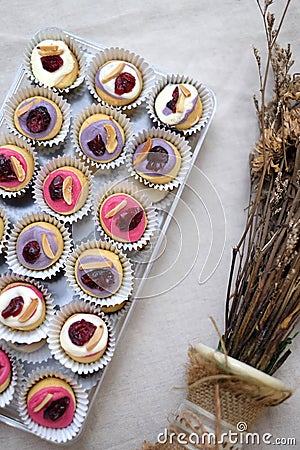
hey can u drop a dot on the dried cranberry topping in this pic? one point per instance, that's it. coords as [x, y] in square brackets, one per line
[97, 146]
[100, 279]
[51, 63]
[129, 219]
[157, 158]
[172, 103]
[81, 332]
[56, 409]
[124, 83]
[56, 188]
[7, 172]
[38, 119]
[31, 252]
[14, 307]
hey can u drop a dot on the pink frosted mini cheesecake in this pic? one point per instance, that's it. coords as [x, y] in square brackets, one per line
[16, 168]
[5, 371]
[122, 218]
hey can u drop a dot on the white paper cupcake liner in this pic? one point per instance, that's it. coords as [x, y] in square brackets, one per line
[54, 338]
[37, 356]
[127, 188]
[147, 72]
[59, 35]
[204, 94]
[127, 283]
[27, 337]
[10, 139]
[179, 142]
[16, 375]
[28, 92]
[6, 227]
[11, 257]
[61, 435]
[123, 121]
[56, 163]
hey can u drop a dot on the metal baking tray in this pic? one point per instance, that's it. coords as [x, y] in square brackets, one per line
[142, 261]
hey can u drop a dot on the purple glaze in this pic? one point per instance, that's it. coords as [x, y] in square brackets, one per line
[93, 258]
[89, 133]
[165, 170]
[35, 234]
[53, 115]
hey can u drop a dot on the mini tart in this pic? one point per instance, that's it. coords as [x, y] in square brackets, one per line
[38, 118]
[22, 306]
[53, 64]
[99, 272]
[157, 160]
[179, 106]
[51, 403]
[5, 371]
[118, 82]
[122, 218]
[16, 168]
[39, 245]
[101, 138]
[65, 190]
[84, 337]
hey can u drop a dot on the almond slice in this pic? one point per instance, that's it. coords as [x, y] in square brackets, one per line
[67, 190]
[29, 311]
[95, 338]
[116, 209]
[114, 73]
[21, 111]
[95, 265]
[43, 403]
[185, 90]
[46, 48]
[180, 103]
[111, 142]
[50, 52]
[18, 168]
[144, 152]
[46, 247]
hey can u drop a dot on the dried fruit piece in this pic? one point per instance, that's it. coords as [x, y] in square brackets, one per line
[95, 339]
[144, 152]
[111, 141]
[46, 247]
[129, 219]
[56, 409]
[80, 332]
[7, 172]
[180, 103]
[95, 265]
[97, 146]
[116, 209]
[114, 73]
[56, 188]
[51, 63]
[31, 252]
[43, 403]
[185, 90]
[157, 158]
[38, 120]
[47, 48]
[18, 168]
[67, 190]
[124, 83]
[100, 279]
[21, 111]
[14, 307]
[172, 103]
[30, 310]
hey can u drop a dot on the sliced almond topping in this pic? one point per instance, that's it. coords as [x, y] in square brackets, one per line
[46, 48]
[144, 152]
[116, 209]
[50, 52]
[180, 103]
[18, 168]
[111, 142]
[185, 90]
[95, 339]
[29, 311]
[114, 73]
[21, 111]
[43, 403]
[95, 265]
[67, 190]
[46, 247]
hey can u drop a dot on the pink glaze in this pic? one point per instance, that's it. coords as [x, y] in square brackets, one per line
[58, 393]
[8, 153]
[110, 223]
[60, 205]
[5, 367]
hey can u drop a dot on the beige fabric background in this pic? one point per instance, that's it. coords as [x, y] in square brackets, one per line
[211, 41]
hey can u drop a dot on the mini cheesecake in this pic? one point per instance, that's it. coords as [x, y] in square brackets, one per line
[16, 168]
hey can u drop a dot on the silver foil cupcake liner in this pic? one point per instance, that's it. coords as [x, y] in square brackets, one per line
[54, 164]
[27, 337]
[16, 375]
[54, 338]
[59, 35]
[11, 257]
[34, 353]
[59, 435]
[116, 53]
[204, 94]
[122, 120]
[10, 139]
[21, 95]
[179, 142]
[127, 282]
[127, 188]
